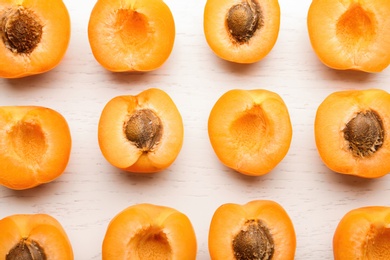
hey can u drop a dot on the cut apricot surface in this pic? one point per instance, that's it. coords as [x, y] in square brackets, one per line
[259, 229]
[363, 233]
[33, 236]
[241, 31]
[250, 130]
[141, 133]
[35, 146]
[148, 231]
[351, 132]
[131, 35]
[34, 36]
[351, 34]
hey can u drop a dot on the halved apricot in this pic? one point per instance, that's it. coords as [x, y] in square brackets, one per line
[141, 133]
[33, 236]
[259, 229]
[35, 146]
[351, 132]
[34, 36]
[363, 233]
[148, 231]
[131, 35]
[351, 34]
[241, 31]
[250, 130]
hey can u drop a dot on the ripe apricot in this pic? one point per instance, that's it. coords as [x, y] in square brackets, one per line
[351, 34]
[259, 229]
[363, 233]
[351, 129]
[131, 35]
[241, 31]
[141, 133]
[148, 231]
[250, 130]
[34, 36]
[35, 145]
[33, 236]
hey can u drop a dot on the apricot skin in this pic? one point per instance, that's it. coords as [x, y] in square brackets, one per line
[332, 117]
[250, 130]
[35, 146]
[350, 35]
[363, 233]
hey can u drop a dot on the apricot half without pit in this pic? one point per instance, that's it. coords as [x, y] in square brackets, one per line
[149, 231]
[131, 35]
[350, 34]
[250, 130]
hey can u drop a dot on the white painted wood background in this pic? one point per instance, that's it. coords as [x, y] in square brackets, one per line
[91, 192]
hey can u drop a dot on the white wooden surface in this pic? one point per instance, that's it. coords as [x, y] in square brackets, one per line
[91, 192]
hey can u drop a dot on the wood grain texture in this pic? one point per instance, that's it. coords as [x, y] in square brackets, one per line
[91, 192]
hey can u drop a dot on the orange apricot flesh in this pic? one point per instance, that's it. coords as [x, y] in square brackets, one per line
[141, 133]
[148, 231]
[131, 35]
[363, 233]
[241, 31]
[351, 132]
[351, 34]
[34, 36]
[259, 229]
[35, 146]
[250, 130]
[33, 236]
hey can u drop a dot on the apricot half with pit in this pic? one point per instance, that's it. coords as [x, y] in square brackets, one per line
[351, 34]
[131, 35]
[33, 237]
[259, 229]
[34, 36]
[241, 31]
[351, 132]
[141, 133]
[148, 231]
[35, 146]
[363, 233]
[250, 130]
